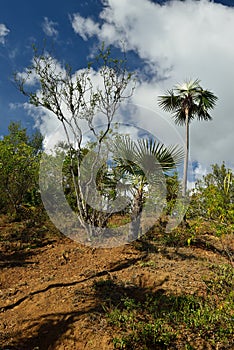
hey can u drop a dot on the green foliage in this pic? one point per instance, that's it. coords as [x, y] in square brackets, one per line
[145, 156]
[19, 164]
[213, 197]
[173, 190]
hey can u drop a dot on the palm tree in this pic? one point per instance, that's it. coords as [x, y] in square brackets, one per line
[187, 101]
[139, 161]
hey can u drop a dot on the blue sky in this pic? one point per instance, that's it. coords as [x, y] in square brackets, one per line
[27, 25]
[174, 41]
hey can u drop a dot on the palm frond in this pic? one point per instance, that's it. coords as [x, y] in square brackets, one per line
[190, 97]
[124, 155]
[145, 156]
[206, 101]
[169, 102]
[189, 86]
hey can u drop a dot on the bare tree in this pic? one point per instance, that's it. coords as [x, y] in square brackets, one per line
[74, 100]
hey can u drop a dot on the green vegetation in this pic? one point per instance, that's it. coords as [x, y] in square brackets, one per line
[19, 164]
[213, 197]
[147, 320]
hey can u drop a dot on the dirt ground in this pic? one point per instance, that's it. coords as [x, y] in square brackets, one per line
[47, 299]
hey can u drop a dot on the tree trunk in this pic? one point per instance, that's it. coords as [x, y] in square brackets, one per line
[184, 187]
[134, 228]
[135, 224]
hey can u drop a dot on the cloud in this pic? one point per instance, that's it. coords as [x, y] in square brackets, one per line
[49, 27]
[30, 79]
[4, 31]
[176, 41]
[197, 173]
[86, 28]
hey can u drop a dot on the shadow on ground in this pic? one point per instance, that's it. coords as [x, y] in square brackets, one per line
[16, 258]
[47, 331]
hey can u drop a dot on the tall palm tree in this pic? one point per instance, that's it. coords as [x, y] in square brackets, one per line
[139, 161]
[187, 101]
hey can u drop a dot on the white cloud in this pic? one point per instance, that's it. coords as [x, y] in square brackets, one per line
[198, 173]
[84, 27]
[4, 31]
[49, 27]
[30, 79]
[177, 40]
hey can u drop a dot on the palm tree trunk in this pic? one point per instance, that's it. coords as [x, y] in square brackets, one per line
[185, 178]
[135, 224]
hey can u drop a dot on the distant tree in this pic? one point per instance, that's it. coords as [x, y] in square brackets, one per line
[186, 102]
[17, 134]
[213, 197]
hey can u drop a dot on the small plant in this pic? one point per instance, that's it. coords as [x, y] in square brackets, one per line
[177, 238]
[223, 283]
[130, 304]
[149, 263]
[159, 321]
[119, 343]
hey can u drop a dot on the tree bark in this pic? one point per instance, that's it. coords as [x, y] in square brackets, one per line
[185, 178]
[135, 224]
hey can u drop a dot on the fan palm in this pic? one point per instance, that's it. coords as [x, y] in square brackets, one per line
[187, 101]
[140, 161]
